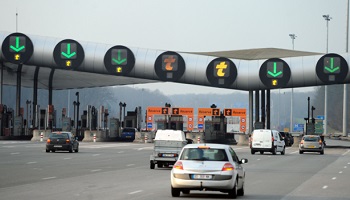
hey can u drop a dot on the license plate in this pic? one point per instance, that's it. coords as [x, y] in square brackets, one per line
[128, 136]
[57, 145]
[311, 146]
[168, 155]
[202, 176]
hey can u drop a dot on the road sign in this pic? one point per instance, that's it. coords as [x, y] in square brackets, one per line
[17, 48]
[228, 112]
[320, 117]
[274, 73]
[332, 68]
[169, 66]
[216, 112]
[149, 125]
[200, 126]
[221, 72]
[175, 111]
[68, 54]
[119, 60]
[319, 126]
[165, 110]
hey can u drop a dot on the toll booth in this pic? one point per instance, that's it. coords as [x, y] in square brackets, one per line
[6, 120]
[114, 128]
[42, 119]
[92, 118]
[66, 124]
[215, 129]
[176, 122]
[50, 116]
[83, 119]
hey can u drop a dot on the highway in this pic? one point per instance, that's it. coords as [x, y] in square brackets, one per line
[121, 171]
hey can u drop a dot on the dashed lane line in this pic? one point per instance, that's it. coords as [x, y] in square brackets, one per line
[138, 191]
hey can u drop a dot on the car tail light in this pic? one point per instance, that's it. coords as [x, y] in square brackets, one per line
[67, 141]
[178, 165]
[320, 142]
[302, 142]
[228, 167]
[48, 141]
[273, 139]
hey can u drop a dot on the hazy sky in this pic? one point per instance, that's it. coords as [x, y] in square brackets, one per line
[183, 25]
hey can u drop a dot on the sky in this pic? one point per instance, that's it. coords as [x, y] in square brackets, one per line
[184, 25]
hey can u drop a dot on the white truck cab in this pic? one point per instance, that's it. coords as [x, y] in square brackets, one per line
[167, 147]
[266, 140]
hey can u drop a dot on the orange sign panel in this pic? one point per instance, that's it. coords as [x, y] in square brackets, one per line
[186, 111]
[157, 110]
[205, 111]
[239, 112]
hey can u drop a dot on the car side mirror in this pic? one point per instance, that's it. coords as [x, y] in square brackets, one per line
[76, 138]
[243, 161]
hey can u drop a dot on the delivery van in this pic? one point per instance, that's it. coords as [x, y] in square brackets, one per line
[266, 140]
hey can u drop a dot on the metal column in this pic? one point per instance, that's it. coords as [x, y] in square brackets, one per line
[251, 111]
[18, 90]
[50, 86]
[35, 96]
[268, 109]
[263, 108]
[257, 113]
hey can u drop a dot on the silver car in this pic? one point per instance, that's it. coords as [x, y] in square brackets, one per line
[311, 143]
[208, 167]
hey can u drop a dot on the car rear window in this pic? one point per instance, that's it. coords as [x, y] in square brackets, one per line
[311, 139]
[204, 154]
[58, 135]
[129, 130]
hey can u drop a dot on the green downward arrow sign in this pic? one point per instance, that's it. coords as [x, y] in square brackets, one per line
[274, 73]
[17, 48]
[119, 60]
[68, 54]
[332, 69]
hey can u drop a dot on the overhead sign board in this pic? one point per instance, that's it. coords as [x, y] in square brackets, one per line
[17, 48]
[274, 73]
[235, 112]
[119, 60]
[169, 66]
[209, 111]
[182, 111]
[68, 54]
[332, 68]
[221, 72]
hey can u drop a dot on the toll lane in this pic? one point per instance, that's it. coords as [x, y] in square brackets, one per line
[121, 171]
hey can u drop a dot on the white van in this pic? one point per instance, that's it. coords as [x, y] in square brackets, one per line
[265, 140]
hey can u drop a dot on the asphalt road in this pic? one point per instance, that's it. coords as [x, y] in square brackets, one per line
[121, 171]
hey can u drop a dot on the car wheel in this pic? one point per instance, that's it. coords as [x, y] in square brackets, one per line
[47, 151]
[301, 152]
[53, 150]
[233, 193]
[252, 151]
[284, 151]
[322, 152]
[151, 166]
[77, 150]
[261, 152]
[240, 192]
[186, 191]
[175, 192]
[274, 151]
[160, 165]
[71, 149]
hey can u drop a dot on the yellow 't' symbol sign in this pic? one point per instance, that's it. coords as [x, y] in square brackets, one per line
[119, 69]
[68, 63]
[274, 82]
[220, 69]
[17, 56]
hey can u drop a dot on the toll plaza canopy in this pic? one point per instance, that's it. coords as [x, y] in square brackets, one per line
[80, 64]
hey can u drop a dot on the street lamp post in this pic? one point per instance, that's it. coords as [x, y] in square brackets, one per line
[327, 18]
[292, 36]
[120, 114]
[124, 105]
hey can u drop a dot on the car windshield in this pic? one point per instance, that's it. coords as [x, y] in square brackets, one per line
[204, 154]
[59, 135]
[311, 139]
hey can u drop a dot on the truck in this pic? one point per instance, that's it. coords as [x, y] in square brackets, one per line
[167, 147]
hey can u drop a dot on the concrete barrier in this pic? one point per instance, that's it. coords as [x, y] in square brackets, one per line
[195, 137]
[37, 135]
[140, 137]
[243, 140]
[101, 136]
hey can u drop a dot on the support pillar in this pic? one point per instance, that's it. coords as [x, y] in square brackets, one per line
[263, 108]
[257, 113]
[35, 95]
[18, 90]
[251, 111]
[268, 109]
[50, 86]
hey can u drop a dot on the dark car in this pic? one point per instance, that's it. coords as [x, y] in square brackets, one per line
[288, 138]
[128, 134]
[62, 141]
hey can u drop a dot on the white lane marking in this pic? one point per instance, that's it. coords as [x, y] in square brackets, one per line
[96, 154]
[129, 165]
[31, 162]
[340, 172]
[258, 159]
[138, 191]
[142, 148]
[67, 158]
[96, 170]
[15, 153]
[346, 152]
[121, 152]
[348, 163]
[334, 178]
[47, 178]
[345, 167]
[293, 152]
[269, 156]
[325, 187]
[8, 146]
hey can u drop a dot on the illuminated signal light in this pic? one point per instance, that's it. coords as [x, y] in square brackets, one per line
[320, 142]
[178, 165]
[67, 141]
[203, 147]
[302, 142]
[227, 167]
[48, 141]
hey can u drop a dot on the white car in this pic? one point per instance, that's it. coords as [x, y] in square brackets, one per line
[208, 167]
